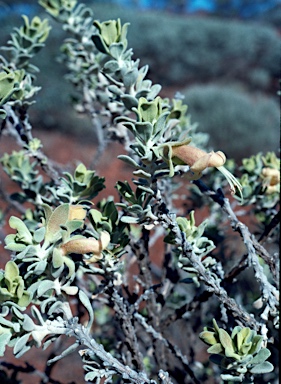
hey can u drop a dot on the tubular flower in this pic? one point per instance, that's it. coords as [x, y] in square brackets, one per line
[87, 245]
[198, 160]
[271, 179]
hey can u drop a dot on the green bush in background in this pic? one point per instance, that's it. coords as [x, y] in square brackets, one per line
[194, 48]
[199, 48]
[240, 122]
[184, 51]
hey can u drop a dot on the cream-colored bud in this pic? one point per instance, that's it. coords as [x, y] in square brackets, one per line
[197, 159]
[212, 159]
[272, 175]
[87, 245]
[271, 180]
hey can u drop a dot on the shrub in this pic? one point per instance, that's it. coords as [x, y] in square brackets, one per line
[73, 253]
[199, 48]
[47, 61]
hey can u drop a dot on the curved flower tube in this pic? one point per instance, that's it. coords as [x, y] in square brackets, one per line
[87, 245]
[198, 160]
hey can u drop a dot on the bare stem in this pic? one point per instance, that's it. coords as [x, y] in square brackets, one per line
[81, 334]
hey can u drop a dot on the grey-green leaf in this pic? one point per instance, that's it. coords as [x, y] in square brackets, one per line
[28, 324]
[59, 217]
[128, 160]
[87, 304]
[129, 219]
[4, 340]
[45, 286]
[261, 356]
[228, 377]
[39, 234]
[129, 101]
[262, 368]
[216, 348]
[21, 343]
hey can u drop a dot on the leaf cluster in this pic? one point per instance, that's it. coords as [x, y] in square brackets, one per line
[237, 354]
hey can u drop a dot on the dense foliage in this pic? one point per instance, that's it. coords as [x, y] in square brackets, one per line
[70, 249]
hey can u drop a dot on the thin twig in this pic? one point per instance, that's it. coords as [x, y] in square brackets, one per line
[212, 284]
[269, 292]
[128, 328]
[81, 334]
[173, 348]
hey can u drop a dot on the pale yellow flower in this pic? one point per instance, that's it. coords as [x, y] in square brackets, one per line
[271, 180]
[198, 160]
[87, 245]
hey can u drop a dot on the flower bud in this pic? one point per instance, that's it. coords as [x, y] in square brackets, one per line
[271, 179]
[197, 159]
[87, 245]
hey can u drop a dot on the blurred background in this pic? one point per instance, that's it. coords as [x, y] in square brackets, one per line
[223, 56]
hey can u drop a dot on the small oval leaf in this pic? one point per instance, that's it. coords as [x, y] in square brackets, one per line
[87, 304]
[262, 368]
[21, 343]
